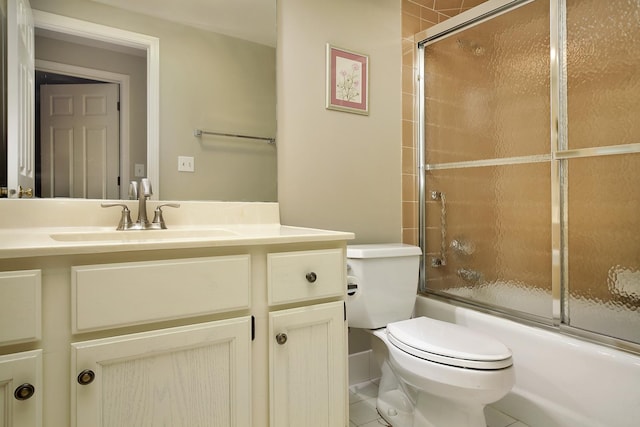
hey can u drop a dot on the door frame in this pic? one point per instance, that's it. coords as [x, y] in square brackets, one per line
[109, 77]
[149, 44]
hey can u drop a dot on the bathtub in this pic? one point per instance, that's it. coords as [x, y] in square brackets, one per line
[560, 381]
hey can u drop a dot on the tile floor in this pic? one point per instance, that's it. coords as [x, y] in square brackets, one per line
[362, 409]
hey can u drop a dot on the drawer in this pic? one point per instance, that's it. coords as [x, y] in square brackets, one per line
[20, 306]
[115, 295]
[305, 275]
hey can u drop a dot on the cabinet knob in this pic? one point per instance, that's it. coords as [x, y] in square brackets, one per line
[24, 392]
[281, 338]
[86, 377]
[311, 277]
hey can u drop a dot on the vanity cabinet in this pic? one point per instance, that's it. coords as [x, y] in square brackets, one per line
[246, 334]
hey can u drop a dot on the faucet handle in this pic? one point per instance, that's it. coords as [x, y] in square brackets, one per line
[125, 219]
[145, 187]
[157, 216]
[133, 190]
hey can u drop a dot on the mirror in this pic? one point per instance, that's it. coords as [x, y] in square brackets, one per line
[209, 80]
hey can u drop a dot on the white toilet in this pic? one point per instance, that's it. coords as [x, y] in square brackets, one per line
[434, 373]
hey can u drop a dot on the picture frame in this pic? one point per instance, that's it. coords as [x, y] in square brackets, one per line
[347, 81]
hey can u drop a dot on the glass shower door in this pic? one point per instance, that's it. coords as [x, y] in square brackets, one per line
[602, 167]
[488, 170]
[531, 154]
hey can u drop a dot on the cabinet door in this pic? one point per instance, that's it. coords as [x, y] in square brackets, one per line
[21, 389]
[196, 375]
[308, 366]
[20, 306]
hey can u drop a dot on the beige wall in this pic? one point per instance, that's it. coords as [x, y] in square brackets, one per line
[207, 81]
[116, 62]
[339, 170]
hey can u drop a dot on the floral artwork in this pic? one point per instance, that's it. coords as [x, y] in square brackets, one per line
[349, 77]
[347, 81]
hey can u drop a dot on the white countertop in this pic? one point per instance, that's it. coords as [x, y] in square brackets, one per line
[39, 228]
[28, 242]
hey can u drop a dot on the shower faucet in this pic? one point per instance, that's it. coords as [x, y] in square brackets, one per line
[462, 247]
[470, 276]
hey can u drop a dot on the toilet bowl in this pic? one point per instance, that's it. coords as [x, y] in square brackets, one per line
[447, 376]
[434, 373]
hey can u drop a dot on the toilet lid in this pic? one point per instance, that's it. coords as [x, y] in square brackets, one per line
[448, 343]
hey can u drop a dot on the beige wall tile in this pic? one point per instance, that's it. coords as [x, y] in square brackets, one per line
[447, 5]
[408, 134]
[410, 25]
[408, 160]
[429, 15]
[411, 8]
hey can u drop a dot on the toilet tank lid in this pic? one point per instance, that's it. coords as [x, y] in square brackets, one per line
[382, 250]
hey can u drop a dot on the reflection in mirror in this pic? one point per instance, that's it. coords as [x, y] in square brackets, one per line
[207, 81]
[96, 117]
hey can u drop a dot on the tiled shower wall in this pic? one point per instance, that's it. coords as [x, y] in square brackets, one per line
[512, 233]
[417, 15]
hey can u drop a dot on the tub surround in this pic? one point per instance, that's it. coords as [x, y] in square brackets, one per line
[263, 301]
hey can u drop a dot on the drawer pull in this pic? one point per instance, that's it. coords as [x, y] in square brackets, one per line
[281, 338]
[24, 392]
[311, 277]
[86, 377]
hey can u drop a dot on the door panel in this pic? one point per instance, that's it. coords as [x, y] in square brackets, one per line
[80, 141]
[196, 375]
[20, 370]
[20, 93]
[308, 366]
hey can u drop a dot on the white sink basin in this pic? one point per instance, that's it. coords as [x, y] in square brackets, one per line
[141, 235]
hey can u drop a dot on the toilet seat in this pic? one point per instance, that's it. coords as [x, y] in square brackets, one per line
[449, 344]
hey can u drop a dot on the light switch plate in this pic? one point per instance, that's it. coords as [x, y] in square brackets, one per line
[185, 164]
[139, 170]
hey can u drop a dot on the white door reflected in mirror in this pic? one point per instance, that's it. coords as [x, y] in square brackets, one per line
[20, 89]
[80, 144]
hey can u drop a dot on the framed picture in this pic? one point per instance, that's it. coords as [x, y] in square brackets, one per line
[347, 81]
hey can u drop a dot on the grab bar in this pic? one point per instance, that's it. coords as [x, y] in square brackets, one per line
[200, 132]
[442, 261]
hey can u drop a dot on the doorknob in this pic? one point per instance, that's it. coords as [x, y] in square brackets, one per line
[25, 192]
[20, 192]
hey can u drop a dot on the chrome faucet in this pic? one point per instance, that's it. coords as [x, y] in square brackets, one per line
[144, 191]
[141, 191]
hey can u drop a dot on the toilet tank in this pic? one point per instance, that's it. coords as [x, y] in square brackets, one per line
[382, 283]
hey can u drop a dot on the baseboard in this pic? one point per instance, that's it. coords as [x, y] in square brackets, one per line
[362, 367]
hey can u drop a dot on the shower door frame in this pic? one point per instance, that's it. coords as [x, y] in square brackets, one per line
[557, 158]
